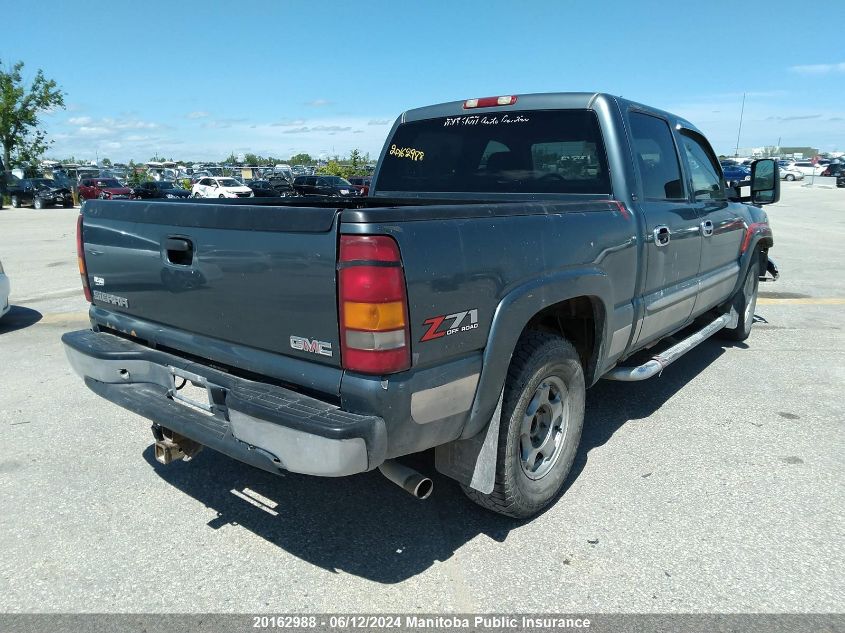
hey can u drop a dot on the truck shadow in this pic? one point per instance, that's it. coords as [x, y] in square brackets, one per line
[366, 526]
[18, 318]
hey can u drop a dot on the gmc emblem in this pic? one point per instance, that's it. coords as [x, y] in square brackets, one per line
[314, 347]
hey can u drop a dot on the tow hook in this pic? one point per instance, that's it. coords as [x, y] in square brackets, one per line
[171, 446]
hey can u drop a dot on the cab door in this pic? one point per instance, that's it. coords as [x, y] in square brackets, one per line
[722, 226]
[672, 238]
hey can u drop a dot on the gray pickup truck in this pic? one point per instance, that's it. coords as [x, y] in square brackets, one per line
[512, 251]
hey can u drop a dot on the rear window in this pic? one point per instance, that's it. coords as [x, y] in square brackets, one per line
[544, 151]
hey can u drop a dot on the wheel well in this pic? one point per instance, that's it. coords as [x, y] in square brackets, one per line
[579, 320]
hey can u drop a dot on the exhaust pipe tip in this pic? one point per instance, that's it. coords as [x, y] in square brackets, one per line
[412, 482]
[423, 488]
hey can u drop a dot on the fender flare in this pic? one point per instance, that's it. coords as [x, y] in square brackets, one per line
[762, 233]
[513, 313]
[471, 459]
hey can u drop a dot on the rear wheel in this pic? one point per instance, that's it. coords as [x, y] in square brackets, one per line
[16, 202]
[38, 203]
[745, 302]
[790, 177]
[197, 194]
[542, 416]
[221, 196]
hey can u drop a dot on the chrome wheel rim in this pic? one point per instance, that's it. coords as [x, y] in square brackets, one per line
[543, 428]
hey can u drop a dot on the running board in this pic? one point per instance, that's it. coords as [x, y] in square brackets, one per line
[669, 356]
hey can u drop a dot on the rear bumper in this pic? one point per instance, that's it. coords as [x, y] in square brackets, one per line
[261, 424]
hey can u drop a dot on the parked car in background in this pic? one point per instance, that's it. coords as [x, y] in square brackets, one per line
[840, 180]
[217, 187]
[282, 185]
[262, 189]
[736, 173]
[807, 168]
[158, 189]
[104, 188]
[40, 193]
[323, 186]
[5, 288]
[833, 170]
[790, 173]
[361, 184]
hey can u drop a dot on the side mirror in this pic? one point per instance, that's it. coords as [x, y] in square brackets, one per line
[765, 181]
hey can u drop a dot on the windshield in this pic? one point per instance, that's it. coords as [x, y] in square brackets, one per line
[228, 182]
[110, 183]
[166, 184]
[41, 183]
[543, 151]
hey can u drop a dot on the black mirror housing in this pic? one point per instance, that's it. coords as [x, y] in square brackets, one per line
[765, 181]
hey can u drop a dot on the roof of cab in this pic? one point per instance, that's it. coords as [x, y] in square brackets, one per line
[541, 101]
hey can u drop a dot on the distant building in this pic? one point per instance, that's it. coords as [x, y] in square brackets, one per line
[799, 152]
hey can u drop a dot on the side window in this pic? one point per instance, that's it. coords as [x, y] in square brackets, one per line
[655, 153]
[706, 177]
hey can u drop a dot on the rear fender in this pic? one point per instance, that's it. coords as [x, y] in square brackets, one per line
[471, 459]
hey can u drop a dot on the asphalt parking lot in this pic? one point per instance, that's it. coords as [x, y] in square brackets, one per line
[717, 486]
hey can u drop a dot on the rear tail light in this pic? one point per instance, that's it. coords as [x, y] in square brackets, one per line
[489, 102]
[373, 306]
[80, 258]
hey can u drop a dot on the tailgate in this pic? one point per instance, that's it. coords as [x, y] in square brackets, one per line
[252, 275]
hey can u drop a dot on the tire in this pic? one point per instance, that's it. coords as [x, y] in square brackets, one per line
[790, 177]
[545, 375]
[221, 196]
[744, 302]
[16, 202]
[38, 203]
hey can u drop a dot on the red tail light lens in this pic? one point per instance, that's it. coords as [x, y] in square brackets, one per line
[373, 306]
[80, 258]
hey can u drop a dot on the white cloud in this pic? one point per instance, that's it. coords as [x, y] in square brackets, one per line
[379, 122]
[79, 120]
[819, 69]
[286, 122]
[318, 128]
[199, 114]
[318, 103]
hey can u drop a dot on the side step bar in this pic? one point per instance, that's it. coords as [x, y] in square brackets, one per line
[666, 358]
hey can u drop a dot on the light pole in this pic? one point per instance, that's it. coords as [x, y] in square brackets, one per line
[741, 112]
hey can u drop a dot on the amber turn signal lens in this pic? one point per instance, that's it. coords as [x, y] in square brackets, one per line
[373, 317]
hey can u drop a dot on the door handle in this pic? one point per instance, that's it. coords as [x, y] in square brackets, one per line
[662, 235]
[180, 251]
[707, 228]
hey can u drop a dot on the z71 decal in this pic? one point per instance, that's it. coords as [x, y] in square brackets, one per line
[453, 325]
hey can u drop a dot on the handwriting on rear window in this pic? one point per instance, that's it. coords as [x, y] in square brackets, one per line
[406, 152]
[478, 119]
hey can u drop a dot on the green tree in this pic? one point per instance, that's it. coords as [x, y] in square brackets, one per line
[105, 162]
[20, 106]
[252, 159]
[301, 159]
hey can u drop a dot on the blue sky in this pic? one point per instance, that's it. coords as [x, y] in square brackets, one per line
[200, 80]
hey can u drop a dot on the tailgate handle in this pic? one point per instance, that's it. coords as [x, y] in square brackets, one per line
[179, 251]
